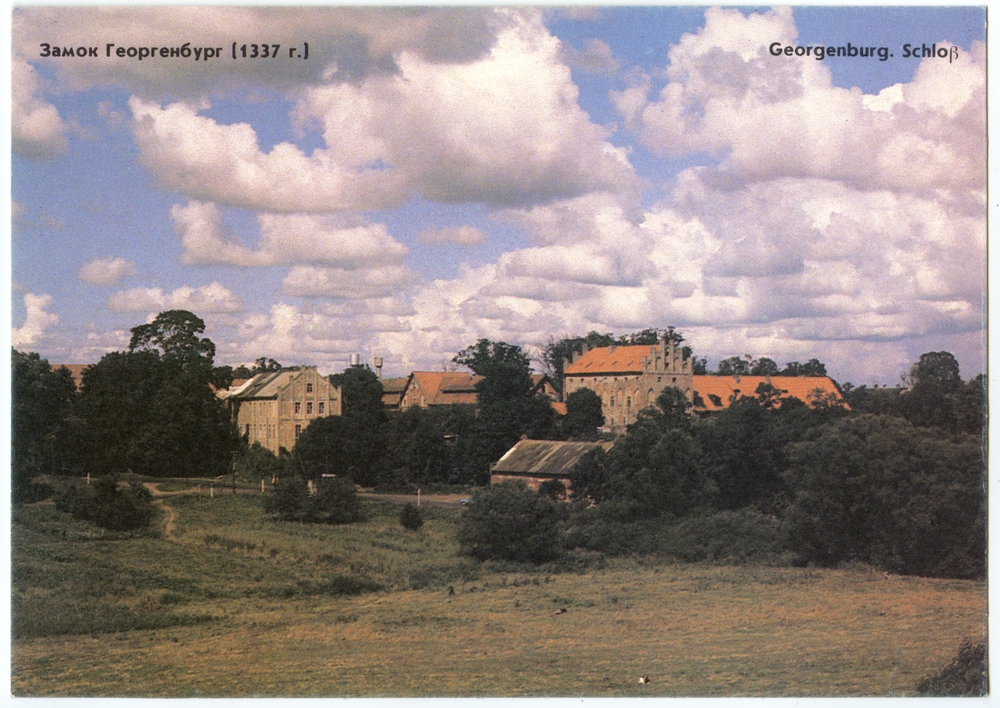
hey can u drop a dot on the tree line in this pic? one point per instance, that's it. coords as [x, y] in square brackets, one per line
[894, 479]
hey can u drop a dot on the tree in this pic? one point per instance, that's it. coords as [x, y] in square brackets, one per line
[43, 430]
[174, 335]
[735, 366]
[584, 415]
[764, 367]
[361, 394]
[813, 367]
[330, 501]
[505, 370]
[152, 409]
[936, 371]
[877, 489]
[510, 522]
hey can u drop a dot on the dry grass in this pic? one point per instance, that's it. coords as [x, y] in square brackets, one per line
[695, 630]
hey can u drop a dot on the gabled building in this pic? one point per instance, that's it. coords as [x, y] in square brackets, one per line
[273, 408]
[539, 461]
[392, 392]
[629, 378]
[443, 388]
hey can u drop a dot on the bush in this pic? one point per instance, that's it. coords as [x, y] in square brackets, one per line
[510, 522]
[965, 675]
[410, 517]
[733, 536]
[104, 504]
[335, 501]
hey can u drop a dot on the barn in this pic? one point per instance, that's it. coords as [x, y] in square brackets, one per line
[540, 461]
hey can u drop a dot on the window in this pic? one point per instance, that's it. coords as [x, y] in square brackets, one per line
[298, 430]
[309, 407]
[612, 400]
[628, 402]
[309, 388]
[298, 407]
[321, 405]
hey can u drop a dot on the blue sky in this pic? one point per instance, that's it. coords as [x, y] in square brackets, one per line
[430, 177]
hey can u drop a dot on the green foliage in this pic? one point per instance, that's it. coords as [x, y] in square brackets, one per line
[584, 415]
[174, 336]
[256, 462]
[505, 368]
[410, 517]
[43, 429]
[105, 504]
[349, 447]
[966, 675]
[878, 490]
[510, 522]
[335, 501]
[361, 395]
[743, 536]
[152, 410]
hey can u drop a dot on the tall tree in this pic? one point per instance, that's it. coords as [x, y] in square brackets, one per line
[42, 426]
[152, 409]
[174, 336]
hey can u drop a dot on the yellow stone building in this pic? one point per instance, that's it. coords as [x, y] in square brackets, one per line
[273, 408]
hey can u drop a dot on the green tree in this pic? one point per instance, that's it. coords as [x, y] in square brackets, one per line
[879, 490]
[510, 522]
[813, 367]
[174, 336]
[43, 429]
[584, 415]
[330, 501]
[152, 409]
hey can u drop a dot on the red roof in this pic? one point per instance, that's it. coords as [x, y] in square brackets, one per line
[612, 360]
[716, 392]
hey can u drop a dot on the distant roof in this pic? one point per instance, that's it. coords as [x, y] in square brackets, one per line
[612, 360]
[544, 458]
[392, 391]
[446, 387]
[264, 385]
[716, 392]
[75, 370]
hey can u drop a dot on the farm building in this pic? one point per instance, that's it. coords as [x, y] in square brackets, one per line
[539, 461]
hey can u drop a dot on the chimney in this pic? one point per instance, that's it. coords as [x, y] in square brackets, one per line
[378, 367]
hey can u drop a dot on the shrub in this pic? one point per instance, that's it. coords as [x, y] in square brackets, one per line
[965, 675]
[105, 504]
[733, 536]
[510, 522]
[334, 501]
[410, 517]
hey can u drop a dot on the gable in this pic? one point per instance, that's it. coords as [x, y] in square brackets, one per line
[544, 458]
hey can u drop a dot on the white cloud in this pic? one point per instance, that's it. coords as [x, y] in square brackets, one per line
[769, 117]
[312, 281]
[212, 298]
[37, 129]
[37, 321]
[106, 271]
[284, 239]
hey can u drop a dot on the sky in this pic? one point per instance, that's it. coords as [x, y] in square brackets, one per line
[425, 178]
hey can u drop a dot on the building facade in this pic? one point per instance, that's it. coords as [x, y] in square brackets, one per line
[629, 378]
[273, 408]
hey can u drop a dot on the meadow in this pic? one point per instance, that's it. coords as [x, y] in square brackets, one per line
[222, 601]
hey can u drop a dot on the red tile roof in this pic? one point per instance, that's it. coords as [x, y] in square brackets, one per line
[717, 391]
[612, 360]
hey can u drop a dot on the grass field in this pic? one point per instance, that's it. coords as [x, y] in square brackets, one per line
[225, 602]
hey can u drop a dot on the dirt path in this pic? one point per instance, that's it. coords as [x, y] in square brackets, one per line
[169, 512]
